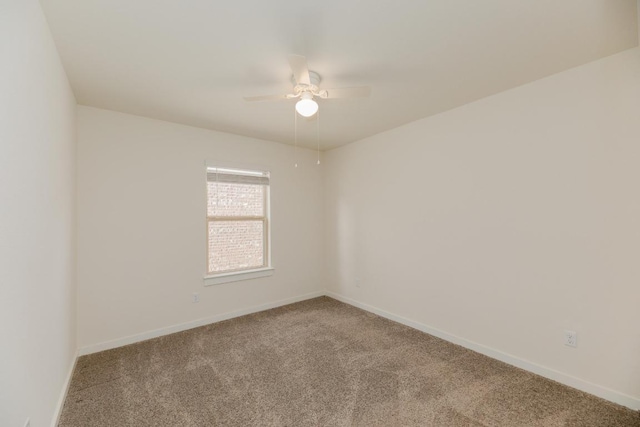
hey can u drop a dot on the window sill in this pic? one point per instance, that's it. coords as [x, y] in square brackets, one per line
[237, 276]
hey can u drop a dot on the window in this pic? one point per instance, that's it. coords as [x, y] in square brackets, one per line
[237, 221]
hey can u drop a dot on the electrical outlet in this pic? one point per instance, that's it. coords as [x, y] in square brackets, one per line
[571, 338]
[196, 297]
[357, 282]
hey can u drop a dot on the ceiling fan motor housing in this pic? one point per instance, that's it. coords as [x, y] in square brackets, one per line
[314, 78]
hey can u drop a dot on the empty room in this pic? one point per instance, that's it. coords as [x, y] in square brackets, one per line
[330, 213]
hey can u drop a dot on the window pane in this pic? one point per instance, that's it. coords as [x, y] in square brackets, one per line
[226, 199]
[235, 245]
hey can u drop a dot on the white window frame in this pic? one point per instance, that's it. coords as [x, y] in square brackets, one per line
[244, 274]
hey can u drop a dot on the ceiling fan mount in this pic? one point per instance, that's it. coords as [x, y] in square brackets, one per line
[314, 80]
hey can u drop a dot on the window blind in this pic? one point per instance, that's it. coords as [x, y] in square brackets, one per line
[237, 176]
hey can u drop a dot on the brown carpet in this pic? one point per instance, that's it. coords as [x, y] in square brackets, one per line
[318, 363]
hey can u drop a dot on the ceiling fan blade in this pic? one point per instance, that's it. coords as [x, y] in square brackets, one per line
[300, 69]
[347, 92]
[266, 98]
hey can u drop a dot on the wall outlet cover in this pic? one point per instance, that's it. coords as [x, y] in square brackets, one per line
[571, 338]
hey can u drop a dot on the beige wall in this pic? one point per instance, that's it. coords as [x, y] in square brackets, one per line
[37, 219]
[141, 224]
[505, 222]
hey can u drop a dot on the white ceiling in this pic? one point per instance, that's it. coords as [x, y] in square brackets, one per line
[192, 61]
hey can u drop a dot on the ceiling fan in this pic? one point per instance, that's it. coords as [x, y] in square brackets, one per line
[306, 88]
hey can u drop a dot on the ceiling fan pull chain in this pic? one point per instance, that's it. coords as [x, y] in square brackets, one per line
[318, 137]
[295, 133]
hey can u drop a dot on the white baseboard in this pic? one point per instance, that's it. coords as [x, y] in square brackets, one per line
[131, 339]
[64, 392]
[571, 381]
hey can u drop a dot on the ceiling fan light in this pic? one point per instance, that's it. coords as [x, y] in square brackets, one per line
[306, 107]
